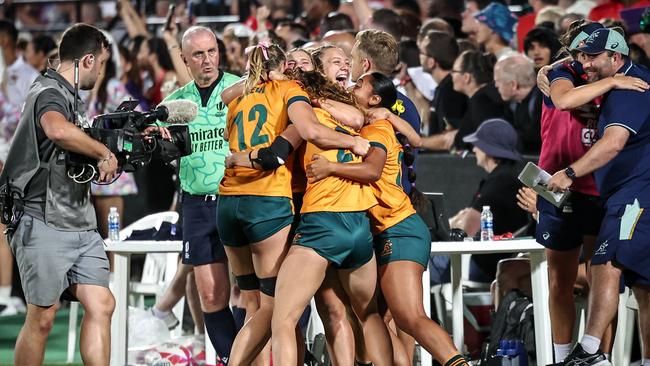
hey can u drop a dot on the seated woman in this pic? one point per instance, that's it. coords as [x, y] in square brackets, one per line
[494, 144]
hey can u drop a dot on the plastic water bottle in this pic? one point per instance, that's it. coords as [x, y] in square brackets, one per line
[113, 225]
[486, 224]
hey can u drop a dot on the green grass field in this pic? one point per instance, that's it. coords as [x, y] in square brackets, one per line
[56, 351]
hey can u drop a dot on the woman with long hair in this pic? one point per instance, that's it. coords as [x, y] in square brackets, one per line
[401, 239]
[254, 207]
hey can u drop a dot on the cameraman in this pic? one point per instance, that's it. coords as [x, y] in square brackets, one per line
[55, 242]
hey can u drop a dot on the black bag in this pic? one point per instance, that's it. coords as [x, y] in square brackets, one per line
[513, 320]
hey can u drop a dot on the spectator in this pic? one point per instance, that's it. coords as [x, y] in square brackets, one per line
[495, 29]
[527, 21]
[38, 50]
[291, 32]
[335, 21]
[580, 8]
[403, 7]
[19, 74]
[341, 39]
[542, 46]
[317, 10]
[562, 25]
[430, 24]
[548, 17]
[472, 75]
[154, 58]
[515, 78]
[470, 24]
[494, 144]
[388, 21]
[438, 51]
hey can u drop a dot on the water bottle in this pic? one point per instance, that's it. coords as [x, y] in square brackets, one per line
[113, 224]
[486, 224]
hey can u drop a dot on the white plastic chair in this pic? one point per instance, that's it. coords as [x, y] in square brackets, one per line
[154, 281]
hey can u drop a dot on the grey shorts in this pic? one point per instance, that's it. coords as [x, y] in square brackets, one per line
[50, 261]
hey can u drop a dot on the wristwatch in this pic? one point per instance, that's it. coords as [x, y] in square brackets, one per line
[570, 173]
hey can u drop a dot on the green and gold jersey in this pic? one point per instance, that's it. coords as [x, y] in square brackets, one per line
[201, 172]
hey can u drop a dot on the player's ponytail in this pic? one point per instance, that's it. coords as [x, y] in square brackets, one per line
[262, 58]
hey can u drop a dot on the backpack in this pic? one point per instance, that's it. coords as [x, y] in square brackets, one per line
[513, 321]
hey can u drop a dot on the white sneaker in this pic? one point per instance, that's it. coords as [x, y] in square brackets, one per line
[8, 310]
[18, 303]
[170, 319]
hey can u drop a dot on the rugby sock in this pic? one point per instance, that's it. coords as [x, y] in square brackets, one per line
[646, 362]
[159, 313]
[240, 317]
[561, 351]
[590, 343]
[608, 356]
[222, 331]
[457, 360]
[5, 294]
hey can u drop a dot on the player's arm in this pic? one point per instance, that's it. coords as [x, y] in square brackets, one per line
[566, 97]
[399, 124]
[346, 114]
[368, 171]
[233, 92]
[303, 117]
[268, 158]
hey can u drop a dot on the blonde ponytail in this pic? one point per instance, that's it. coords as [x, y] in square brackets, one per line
[262, 58]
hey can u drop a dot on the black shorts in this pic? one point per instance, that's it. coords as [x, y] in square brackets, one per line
[201, 243]
[563, 228]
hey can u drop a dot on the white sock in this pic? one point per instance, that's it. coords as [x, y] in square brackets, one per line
[5, 294]
[561, 351]
[590, 343]
[646, 362]
[158, 313]
[608, 356]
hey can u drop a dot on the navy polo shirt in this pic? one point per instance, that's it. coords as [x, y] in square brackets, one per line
[627, 176]
[410, 114]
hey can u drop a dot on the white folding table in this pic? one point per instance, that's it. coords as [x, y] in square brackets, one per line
[539, 278]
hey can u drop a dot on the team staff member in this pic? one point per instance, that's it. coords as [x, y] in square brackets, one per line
[377, 51]
[254, 209]
[402, 240]
[200, 174]
[621, 167]
[566, 136]
[56, 245]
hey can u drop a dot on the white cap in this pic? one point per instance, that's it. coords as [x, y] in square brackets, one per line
[484, 207]
[113, 209]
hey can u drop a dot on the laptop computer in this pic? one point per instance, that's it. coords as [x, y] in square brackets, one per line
[435, 216]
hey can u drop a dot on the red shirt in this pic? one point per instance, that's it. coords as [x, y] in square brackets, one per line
[566, 137]
[526, 24]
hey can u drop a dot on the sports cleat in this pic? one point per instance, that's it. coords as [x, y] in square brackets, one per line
[579, 357]
[171, 321]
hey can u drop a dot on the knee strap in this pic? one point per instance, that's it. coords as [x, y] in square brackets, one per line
[267, 286]
[248, 282]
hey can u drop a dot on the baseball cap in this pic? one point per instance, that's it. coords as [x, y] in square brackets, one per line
[498, 18]
[497, 138]
[605, 39]
[584, 34]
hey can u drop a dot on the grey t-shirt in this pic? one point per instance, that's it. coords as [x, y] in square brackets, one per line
[48, 101]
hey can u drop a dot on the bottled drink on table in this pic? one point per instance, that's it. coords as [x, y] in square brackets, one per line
[113, 224]
[487, 233]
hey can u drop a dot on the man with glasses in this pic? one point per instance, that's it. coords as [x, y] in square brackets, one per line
[200, 174]
[438, 51]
